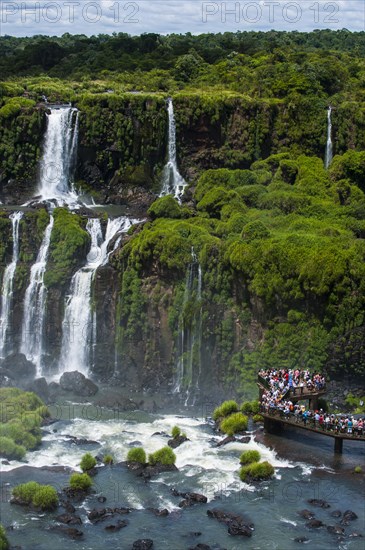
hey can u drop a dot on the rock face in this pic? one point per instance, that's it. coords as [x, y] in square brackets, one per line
[235, 523]
[18, 367]
[77, 383]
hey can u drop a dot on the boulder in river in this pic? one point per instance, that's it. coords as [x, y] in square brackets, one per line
[314, 523]
[236, 524]
[78, 384]
[177, 441]
[336, 514]
[143, 544]
[189, 498]
[335, 529]
[117, 526]
[318, 502]
[105, 513]
[69, 531]
[306, 514]
[19, 367]
[301, 539]
[159, 513]
[70, 519]
[348, 516]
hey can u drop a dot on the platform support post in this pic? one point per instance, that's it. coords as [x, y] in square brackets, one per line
[338, 444]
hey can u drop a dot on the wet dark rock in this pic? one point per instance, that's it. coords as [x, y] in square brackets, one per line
[318, 502]
[70, 509]
[349, 515]
[106, 513]
[336, 514]
[163, 434]
[69, 519]
[201, 546]
[225, 441]
[335, 529]
[116, 527]
[149, 471]
[159, 513]
[189, 498]
[69, 531]
[244, 439]
[306, 514]
[80, 441]
[235, 523]
[355, 534]
[78, 384]
[75, 494]
[5, 462]
[19, 367]
[135, 444]
[177, 441]
[143, 544]
[314, 523]
[102, 499]
[301, 539]
[40, 387]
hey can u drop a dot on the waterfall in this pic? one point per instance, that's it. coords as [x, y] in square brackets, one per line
[7, 287]
[190, 333]
[172, 180]
[329, 148]
[79, 323]
[59, 156]
[34, 305]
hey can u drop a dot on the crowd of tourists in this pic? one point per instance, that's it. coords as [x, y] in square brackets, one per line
[282, 383]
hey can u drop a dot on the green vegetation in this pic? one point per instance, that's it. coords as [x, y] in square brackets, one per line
[69, 242]
[137, 454]
[80, 482]
[250, 407]
[257, 418]
[88, 462]
[225, 409]
[175, 432]
[248, 457]
[234, 423]
[358, 470]
[357, 404]
[4, 543]
[21, 419]
[256, 471]
[164, 456]
[41, 496]
[108, 459]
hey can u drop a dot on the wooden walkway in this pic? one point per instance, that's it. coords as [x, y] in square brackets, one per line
[275, 422]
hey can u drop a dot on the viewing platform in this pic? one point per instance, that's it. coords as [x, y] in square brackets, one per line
[275, 419]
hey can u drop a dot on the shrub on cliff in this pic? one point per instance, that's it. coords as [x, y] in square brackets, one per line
[226, 408]
[256, 471]
[80, 482]
[11, 450]
[4, 543]
[236, 422]
[41, 496]
[137, 454]
[164, 456]
[250, 407]
[167, 207]
[88, 462]
[248, 457]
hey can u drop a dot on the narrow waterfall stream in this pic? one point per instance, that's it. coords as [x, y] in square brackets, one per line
[34, 305]
[7, 287]
[172, 181]
[190, 334]
[79, 324]
[329, 146]
[59, 154]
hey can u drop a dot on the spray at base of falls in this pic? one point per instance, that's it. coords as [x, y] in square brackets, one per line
[172, 181]
[329, 147]
[7, 287]
[190, 334]
[59, 157]
[79, 324]
[34, 305]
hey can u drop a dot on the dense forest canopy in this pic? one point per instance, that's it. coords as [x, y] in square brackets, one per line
[271, 64]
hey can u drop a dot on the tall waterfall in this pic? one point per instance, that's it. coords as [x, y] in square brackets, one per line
[172, 180]
[79, 323]
[34, 305]
[59, 155]
[7, 287]
[329, 148]
[190, 333]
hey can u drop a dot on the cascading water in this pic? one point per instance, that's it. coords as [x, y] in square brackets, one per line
[59, 155]
[79, 324]
[34, 305]
[190, 333]
[329, 147]
[7, 287]
[172, 180]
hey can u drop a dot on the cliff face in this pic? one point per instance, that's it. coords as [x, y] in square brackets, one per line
[123, 140]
